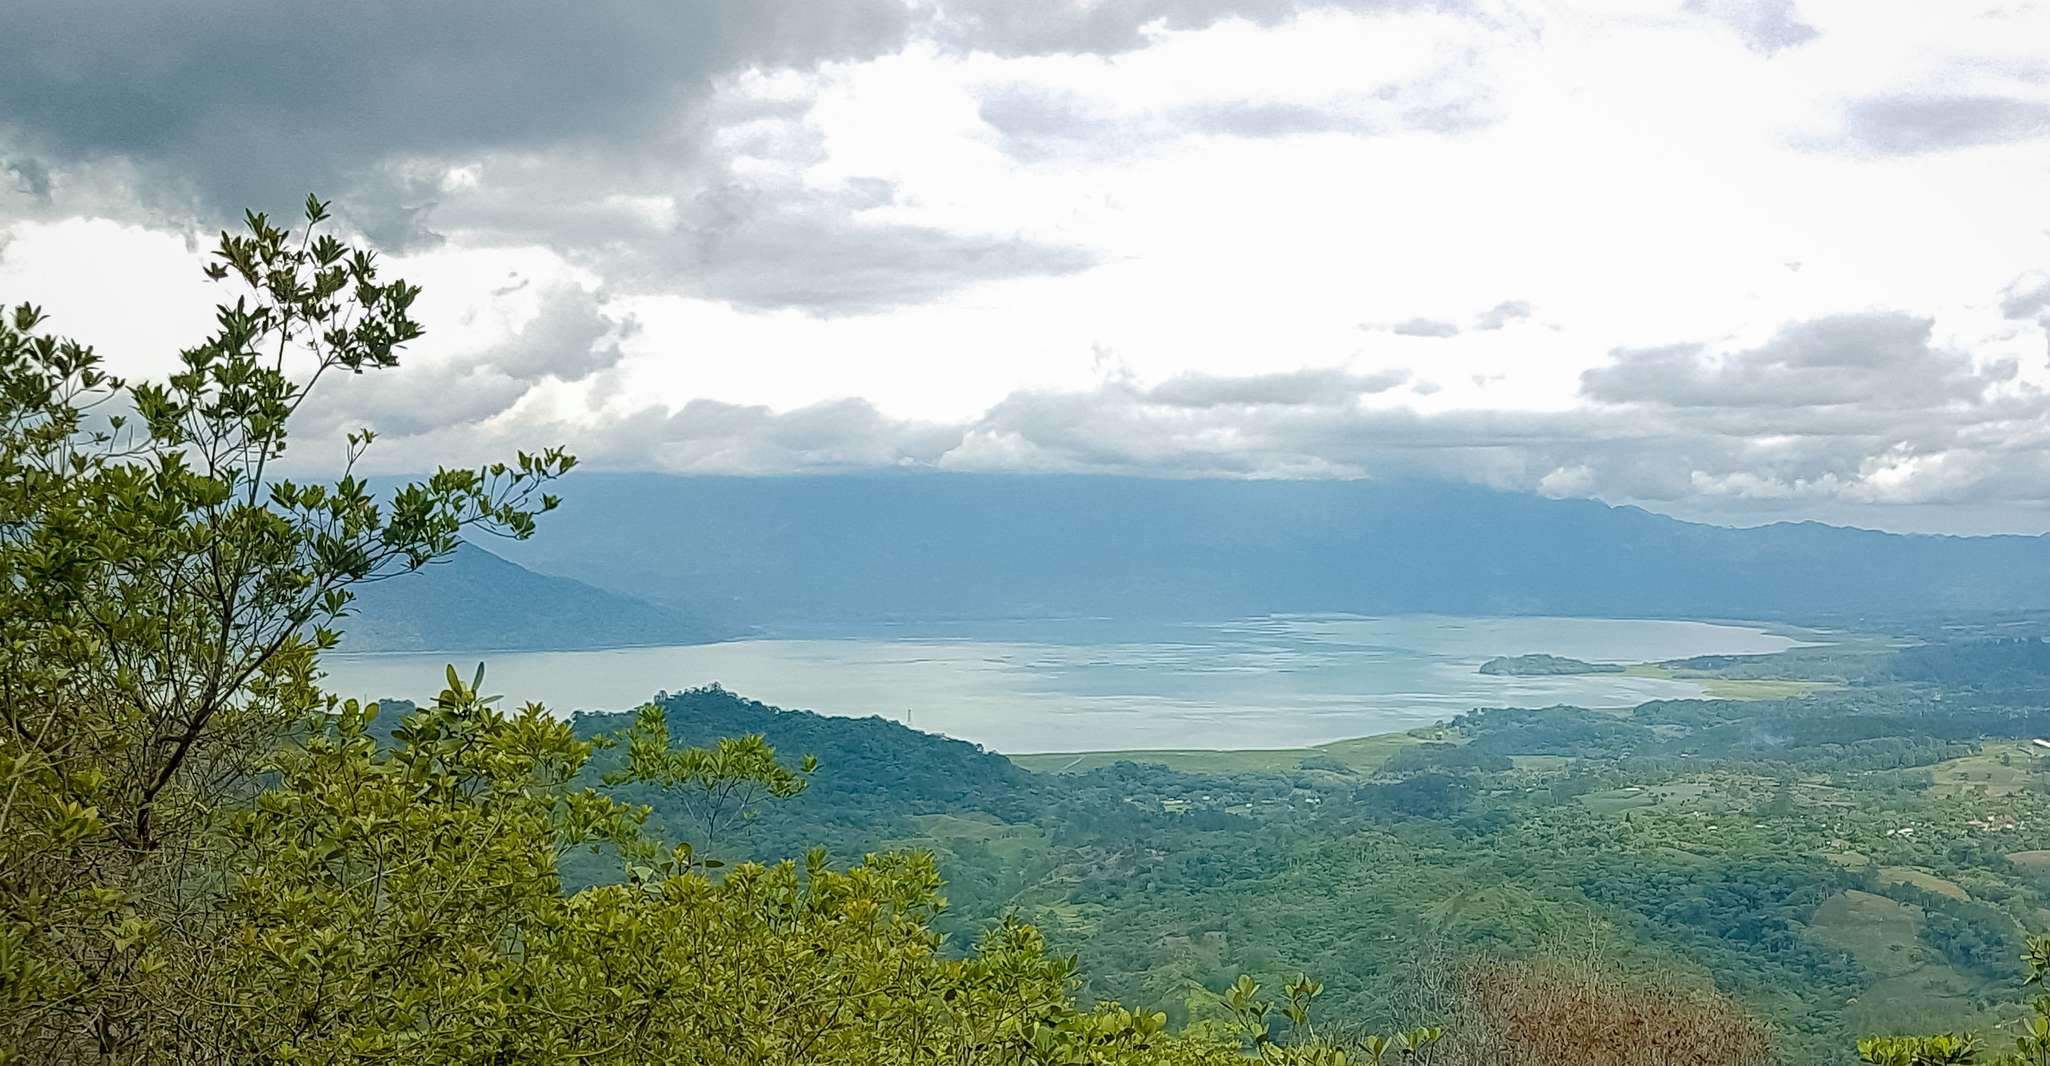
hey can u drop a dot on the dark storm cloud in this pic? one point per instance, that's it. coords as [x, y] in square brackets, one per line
[1434, 108]
[1325, 386]
[2028, 297]
[419, 400]
[1922, 447]
[1878, 360]
[1106, 27]
[1037, 124]
[1498, 317]
[768, 240]
[757, 249]
[31, 177]
[1911, 125]
[1425, 327]
[1072, 26]
[1251, 118]
[705, 435]
[239, 102]
[1117, 429]
[1765, 25]
[567, 339]
[1502, 314]
[574, 126]
[1857, 410]
[228, 103]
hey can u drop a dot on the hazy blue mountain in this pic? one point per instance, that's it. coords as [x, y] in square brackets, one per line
[476, 601]
[922, 547]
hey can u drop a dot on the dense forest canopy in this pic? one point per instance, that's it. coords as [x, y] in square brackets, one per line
[203, 858]
[1756, 845]
[996, 533]
[206, 858]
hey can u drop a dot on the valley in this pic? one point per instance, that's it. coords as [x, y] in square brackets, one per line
[1861, 857]
[1089, 533]
[1845, 829]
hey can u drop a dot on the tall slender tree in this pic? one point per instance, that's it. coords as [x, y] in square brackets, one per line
[163, 598]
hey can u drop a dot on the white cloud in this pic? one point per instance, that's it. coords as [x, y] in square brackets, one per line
[1710, 255]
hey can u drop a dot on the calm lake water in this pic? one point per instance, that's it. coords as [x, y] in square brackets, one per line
[1080, 685]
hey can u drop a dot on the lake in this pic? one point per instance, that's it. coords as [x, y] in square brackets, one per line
[1090, 684]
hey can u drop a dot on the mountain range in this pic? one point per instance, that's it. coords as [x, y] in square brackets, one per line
[476, 601]
[735, 553]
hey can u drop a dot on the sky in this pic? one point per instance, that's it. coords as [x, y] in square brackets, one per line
[1733, 260]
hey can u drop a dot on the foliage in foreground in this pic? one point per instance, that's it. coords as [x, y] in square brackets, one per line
[1562, 1012]
[401, 904]
[2031, 1042]
[203, 859]
[163, 600]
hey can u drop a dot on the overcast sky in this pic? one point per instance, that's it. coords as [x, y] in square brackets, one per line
[1736, 259]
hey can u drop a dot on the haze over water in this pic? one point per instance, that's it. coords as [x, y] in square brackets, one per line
[1073, 685]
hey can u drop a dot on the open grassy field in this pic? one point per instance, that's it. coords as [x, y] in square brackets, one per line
[1738, 688]
[1885, 936]
[1360, 753]
[1732, 688]
[1631, 797]
[1918, 991]
[1619, 799]
[2001, 768]
[1005, 840]
[1921, 879]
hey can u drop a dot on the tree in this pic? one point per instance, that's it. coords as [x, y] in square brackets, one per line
[163, 600]
[1575, 1011]
[400, 904]
[716, 788]
[2031, 1042]
[203, 859]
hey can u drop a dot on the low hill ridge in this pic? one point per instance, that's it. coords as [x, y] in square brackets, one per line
[477, 601]
[876, 548]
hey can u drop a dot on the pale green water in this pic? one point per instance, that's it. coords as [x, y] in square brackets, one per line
[1074, 685]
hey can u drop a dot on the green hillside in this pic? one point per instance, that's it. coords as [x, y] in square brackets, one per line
[1848, 862]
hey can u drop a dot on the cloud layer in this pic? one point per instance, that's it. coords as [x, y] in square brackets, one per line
[1737, 258]
[1851, 410]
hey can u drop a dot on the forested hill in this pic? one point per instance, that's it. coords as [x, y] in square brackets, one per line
[863, 762]
[476, 601]
[873, 773]
[920, 547]
[1864, 858]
